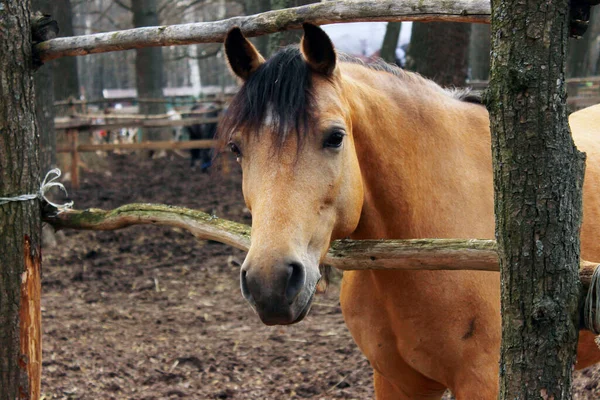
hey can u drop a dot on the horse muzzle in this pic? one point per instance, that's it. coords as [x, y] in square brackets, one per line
[280, 294]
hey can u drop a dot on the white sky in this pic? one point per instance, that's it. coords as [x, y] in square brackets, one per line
[363, 37]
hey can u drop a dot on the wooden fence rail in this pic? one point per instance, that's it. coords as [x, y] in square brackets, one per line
[158, 145]
[268, 22]
[72, 102]
[131, 123]
[414, 254]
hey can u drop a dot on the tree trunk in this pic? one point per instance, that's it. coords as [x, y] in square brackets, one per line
[66, 81]
[280, 39]
[20, 221]
[439, 51]
[149, 68]
[583, 53]
[479, 52]
[390, 42]
[44, 104]
[538, 177]
[255, 7]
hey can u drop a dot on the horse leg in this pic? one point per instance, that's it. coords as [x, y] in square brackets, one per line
[385, 390]
[480, 382]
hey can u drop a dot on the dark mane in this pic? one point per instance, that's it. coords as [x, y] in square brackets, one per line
[281, 90]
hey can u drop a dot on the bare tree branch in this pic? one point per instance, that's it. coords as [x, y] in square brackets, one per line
[269, 22]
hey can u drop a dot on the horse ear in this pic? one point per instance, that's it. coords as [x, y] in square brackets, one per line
[318, 50]
[242, 56]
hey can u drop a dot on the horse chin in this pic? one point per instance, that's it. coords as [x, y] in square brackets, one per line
[306, 309]
[270, 321]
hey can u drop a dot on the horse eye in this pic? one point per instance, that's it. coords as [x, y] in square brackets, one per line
[234, 149]
[334, 140]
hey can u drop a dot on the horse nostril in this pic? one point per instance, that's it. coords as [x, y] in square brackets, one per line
[295, 281]
[244, 286]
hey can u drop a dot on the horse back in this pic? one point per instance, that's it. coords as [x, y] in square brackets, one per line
[585, 127]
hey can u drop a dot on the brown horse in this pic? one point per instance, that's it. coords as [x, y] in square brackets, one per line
[331, 148]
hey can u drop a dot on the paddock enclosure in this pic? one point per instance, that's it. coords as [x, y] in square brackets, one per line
[109, 333]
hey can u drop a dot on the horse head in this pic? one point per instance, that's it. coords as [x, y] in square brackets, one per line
[291, 130]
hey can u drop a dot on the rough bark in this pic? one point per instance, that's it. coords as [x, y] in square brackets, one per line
[66, 81]
[390, 42]
[538, 176]
[583, 52]
[329, 12]
[149, 67]
[20, 222]
[439, 51]
[479, 52]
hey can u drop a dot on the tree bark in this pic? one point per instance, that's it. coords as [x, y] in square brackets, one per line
[479, 52]
[439, 51]
[149, 67]
[20, 221]
[390, 42]
[328, 12]
[538, 177]
[66, 81]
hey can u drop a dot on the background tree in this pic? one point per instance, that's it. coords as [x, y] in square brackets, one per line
[281, 39]
[538, 177]
[20, 221]
[439, 51]
[479, 52]
[149, 67]
[255, 7]
[583, 52]
[44, 100]
[65, 78]
[390, 41]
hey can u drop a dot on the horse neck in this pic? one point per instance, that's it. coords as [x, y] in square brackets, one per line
[421, 154]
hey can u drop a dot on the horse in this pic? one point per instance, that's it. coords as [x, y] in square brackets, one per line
[331, 147]
[203, 132]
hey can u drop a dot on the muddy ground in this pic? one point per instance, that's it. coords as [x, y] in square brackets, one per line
[152, 313]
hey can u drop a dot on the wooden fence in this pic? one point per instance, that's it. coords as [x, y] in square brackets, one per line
[85, 122]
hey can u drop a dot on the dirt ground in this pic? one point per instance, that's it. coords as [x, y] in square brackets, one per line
[152, 313]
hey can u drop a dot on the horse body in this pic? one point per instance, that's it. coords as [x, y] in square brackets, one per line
[436, 183]
[415, 162]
